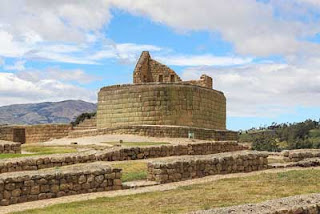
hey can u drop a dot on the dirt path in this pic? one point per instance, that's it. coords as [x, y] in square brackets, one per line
[163, 187]
[102, 139]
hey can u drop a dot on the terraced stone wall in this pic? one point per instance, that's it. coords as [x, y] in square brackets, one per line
[34, 133]
[42, 133]
[6, 133]
[189, 167]
[177, 104]
[161, 131]
[51, 183]
[300, 154]
[116, 154]
[9, 147]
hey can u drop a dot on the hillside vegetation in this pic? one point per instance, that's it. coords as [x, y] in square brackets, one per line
[284, 136]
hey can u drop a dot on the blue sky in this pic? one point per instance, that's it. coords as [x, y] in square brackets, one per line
[264, 55]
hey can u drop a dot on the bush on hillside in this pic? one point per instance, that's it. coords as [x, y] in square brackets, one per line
[265, 143]
[82, 117]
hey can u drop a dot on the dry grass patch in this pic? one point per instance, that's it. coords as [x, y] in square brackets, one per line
[132, 170]
[47, 150]
[219, 193]
[32, 150]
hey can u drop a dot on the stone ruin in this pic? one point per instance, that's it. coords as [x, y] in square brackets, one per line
[157, 104]
[160, 104]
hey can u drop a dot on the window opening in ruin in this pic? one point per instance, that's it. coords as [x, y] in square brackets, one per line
[144, 78]
[160, 78]
[172, 78]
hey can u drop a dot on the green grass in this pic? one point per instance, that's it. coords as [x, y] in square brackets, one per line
[48, 149]
[39, 150]
[5, 156]
[245, 137]
[129, 144]
[132, 170]
[226, 192]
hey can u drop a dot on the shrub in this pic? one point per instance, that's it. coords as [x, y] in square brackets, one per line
[82, 117]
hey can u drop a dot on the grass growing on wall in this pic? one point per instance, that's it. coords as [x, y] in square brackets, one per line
[225, 192]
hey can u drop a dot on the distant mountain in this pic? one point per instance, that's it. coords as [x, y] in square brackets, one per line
[42, 113]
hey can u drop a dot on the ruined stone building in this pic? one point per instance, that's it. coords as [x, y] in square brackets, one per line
[159, 102]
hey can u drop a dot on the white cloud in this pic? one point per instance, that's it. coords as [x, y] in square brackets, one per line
[55, 20]
[253, 27]
[56, 73]
[202, 60]
[14, 89]
[264, 89]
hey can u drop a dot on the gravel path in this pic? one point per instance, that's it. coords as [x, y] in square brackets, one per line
[98, 140]
[163, 187]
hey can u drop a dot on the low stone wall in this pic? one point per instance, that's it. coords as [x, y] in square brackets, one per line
[300, 154]
[134, 153]
[162, 131]
[51, 183]
[34, 133]
[6, 133]
[308, 162]
[42, 133]
[9, 147]
[189, 167]
[116, 154]
[300, 204]
[87, 124]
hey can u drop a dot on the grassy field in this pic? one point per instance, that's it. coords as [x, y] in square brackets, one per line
[136, 143]
[39, 150]
[132, 170]
[220, 193]
[48, 149]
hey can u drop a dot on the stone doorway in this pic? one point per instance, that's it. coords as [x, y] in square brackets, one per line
[19, 135]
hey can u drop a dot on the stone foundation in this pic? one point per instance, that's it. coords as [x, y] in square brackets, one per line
[300, 154]
[171, 104]
[162, 131]
[9, 147]
[300, 204]
[34, 133]
[189, 167]
[116, 154]
[51, 183]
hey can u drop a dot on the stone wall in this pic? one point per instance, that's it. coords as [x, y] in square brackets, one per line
[88, 123]
[189, 167]
[115, 154]
[300, 204]
[161, 131]
[175, 104]
[6, 133]
[9, 147]
[135, 153]
[42, 133]
[149, 70]
[300, 154]
[34, 133]
[205, 81]
[57, 182]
